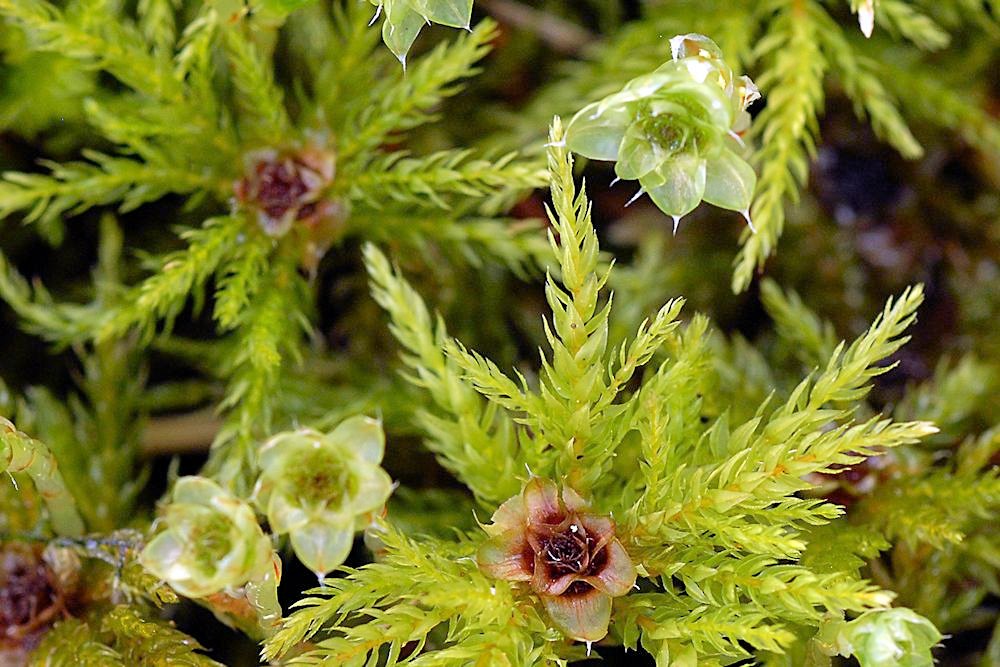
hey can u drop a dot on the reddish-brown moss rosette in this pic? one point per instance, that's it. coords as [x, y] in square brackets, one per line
[569, 557]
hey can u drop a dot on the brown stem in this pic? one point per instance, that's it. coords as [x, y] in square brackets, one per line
[187, 433]
[558, 33]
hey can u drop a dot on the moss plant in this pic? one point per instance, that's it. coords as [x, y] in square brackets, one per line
[274, 274]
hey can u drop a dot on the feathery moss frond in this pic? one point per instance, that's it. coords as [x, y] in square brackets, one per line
[904, 19]
[952, 108]
[410, 99]
[122, 637]
[75, 187]
[264, 120]
[437, 179]
[475, 442]
[812, 339]
[711, 513]
[859, 76]
[115, 45]
[786, 130]
[420, 589]
[654, 482]
[180, 275]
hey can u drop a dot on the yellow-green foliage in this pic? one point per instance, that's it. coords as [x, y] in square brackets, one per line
[271, 227]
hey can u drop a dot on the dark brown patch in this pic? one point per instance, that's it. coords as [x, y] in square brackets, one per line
[30, 598]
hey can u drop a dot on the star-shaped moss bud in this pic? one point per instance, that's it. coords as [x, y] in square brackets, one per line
[285, 187]
[677, 131]
[568, 556]
[209, 541]
[321, 488]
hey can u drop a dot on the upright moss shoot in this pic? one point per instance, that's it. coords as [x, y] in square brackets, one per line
[707, 514]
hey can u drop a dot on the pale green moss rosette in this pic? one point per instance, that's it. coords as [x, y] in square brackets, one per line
[210, 541]
[321, 489]
[896, 637]
[405, 18]
[677, 131]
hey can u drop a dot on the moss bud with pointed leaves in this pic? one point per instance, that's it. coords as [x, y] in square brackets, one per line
[570, 557]
[895, 637]
[677, 131]
[284, 187]
[210, 541]
[322, 488]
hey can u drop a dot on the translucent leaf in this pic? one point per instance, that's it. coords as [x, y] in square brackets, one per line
[677, 186]
[729, 181]
[284, 515]
[363, 435]
[710, 98]
[454, 13]
[597, 135]
[638, 155]
[322, 546]
[195, 490]
[639, 88]
[373, 490]
[583, 617]
[693, 44]
[400, 29]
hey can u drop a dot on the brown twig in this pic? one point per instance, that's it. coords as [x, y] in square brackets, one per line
[558, 33]
[181, 434]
